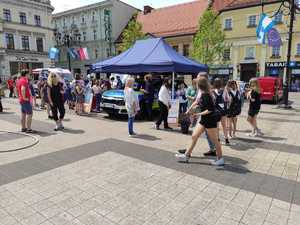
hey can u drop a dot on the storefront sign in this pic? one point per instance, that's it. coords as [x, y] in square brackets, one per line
[25, 59]
[282, 64]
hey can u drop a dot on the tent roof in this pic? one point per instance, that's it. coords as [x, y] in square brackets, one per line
[149, 56]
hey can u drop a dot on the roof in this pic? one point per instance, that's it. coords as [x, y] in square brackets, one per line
[147, 56]
[237, 4]
[218, 5]
[174, 20]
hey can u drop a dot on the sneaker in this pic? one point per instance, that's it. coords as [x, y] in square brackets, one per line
[219, 162]
[182, 158]
[24, 130]
[157, 127]
[132, 135]
[30, 131]
[259, 132]
[182, 151]
[210, 153]
[253, 134]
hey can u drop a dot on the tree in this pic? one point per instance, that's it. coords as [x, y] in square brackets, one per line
[132, 33]
[209, 42]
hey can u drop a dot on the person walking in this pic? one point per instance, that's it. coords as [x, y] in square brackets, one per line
[221, 102]
[131, 104]
[55, 95]
[79, 93]
[208, 122]
[1, 106]
[254, 106]
[164, 102]
[10, 86]
[25, 102]
[148, 96]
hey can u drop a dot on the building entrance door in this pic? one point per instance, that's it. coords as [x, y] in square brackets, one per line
[248, 71]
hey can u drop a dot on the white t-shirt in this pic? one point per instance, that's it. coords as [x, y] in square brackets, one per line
[164, 96]
[130, 99]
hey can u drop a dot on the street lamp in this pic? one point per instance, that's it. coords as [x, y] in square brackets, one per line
[68, 39]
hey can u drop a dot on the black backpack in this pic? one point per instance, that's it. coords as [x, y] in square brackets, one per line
[219, 100]
[236, 102]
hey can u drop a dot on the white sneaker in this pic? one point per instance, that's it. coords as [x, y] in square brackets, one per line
[182, 158]
[259, 132]
[219, 162]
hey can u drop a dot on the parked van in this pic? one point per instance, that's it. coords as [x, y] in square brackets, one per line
[271, 89]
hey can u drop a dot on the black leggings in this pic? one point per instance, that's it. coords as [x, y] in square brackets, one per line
[164, 112]
[58, 108]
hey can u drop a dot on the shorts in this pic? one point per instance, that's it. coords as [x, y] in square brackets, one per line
[253, 112]
[209, 123]
[26, 108]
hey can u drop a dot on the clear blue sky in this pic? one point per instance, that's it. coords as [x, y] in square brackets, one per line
[61, 5]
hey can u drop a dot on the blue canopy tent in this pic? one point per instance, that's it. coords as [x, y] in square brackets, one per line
[150, 56]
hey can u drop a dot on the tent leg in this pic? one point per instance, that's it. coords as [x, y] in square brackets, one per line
[173, 86]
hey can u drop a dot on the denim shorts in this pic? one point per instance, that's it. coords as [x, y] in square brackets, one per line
[26, 108]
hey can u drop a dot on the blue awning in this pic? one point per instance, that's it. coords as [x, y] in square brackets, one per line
[149, 56]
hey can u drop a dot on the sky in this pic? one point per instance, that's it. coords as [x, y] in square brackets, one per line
[62, 5]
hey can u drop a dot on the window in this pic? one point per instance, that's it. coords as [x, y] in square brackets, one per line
[9, 38]
[96, 53]
[82, 19]
[37, 20]
[276, 52]
[298, 49]
[93, 17]
[95, 35]
[228, 24]
[250, 53]
[84, 36]
[186, 50]
[6, 15]
[278, 17]
[25, 43]
[39, 45]
[252, 21]
[175, 47]
[226, 54]
[73, 20]
[23, 18]
[64, 21]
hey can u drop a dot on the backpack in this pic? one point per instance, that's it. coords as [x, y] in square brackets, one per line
[219, 101]
[236, 102]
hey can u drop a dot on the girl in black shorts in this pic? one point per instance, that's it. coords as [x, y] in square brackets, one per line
[221, 102]
[234, 106]
[208, 122]
[254, 106]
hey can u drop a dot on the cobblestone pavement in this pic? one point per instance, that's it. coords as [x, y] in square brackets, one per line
[93, 173]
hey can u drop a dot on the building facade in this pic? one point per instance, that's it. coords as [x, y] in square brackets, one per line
[99, 25]
[248, 57]
[25, 35]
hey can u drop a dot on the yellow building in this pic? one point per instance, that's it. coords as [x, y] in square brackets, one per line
[249, 58]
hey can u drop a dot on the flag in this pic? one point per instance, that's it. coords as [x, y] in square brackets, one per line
[53, 53]
[264, 26]
[73, 53]
[83, 54]
[274, 38]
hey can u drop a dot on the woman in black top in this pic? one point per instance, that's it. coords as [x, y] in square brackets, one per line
[235, 106]
[55, 96]
[208, 122]
[254, 106]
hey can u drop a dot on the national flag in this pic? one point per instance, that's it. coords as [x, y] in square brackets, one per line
[53, 53]
[73, 53]
[83, 54]
[264, 26]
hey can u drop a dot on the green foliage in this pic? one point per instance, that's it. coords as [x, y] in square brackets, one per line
[209, 42]
[132, 33]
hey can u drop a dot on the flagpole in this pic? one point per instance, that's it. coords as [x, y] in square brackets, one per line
[287, 80]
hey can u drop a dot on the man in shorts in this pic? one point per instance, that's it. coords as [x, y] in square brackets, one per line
[24, 100]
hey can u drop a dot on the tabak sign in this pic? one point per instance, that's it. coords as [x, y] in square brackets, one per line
[25, 59]
[281, 64]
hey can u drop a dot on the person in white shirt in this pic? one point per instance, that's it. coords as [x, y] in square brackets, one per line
[131, 104]
[164, 101]
[183, 100]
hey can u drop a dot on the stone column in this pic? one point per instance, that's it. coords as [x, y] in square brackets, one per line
[235, 60]
[262, 62]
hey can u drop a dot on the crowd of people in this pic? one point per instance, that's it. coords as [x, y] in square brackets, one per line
[211, 105]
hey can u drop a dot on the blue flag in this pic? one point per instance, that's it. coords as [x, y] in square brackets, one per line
[264, 26]
[73, 53]
[53, 53]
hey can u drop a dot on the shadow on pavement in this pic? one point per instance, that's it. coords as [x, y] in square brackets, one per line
[278, 113]
[7, 113]
[72, 131]
[147, 137]
[44, 133]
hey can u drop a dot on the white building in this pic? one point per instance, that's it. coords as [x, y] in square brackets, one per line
[25, 35]
[99, 25]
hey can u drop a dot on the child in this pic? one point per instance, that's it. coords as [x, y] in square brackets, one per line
[234, 106]
[183, 101]
[254, 106]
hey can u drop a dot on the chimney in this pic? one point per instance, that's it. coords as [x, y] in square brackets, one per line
[147, 9]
